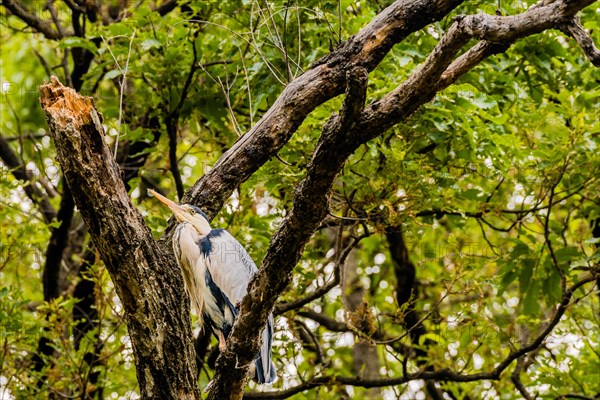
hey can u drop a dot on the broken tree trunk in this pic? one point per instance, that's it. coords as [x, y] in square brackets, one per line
[147, 281]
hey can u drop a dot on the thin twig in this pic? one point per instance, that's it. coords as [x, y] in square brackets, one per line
[122, 89]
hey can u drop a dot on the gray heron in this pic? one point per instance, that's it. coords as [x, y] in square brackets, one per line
[216, 271]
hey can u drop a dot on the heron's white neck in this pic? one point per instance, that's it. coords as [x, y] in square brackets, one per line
[200, 225]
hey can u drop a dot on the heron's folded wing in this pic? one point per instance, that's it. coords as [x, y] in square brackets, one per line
[229, 264]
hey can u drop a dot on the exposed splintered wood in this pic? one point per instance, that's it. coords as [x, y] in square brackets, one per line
[147, 282]
[68, 106]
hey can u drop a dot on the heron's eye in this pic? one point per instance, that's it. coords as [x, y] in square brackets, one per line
[192, 211]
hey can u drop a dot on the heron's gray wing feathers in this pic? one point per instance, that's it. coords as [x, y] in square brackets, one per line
[231, 268]
[230, 264]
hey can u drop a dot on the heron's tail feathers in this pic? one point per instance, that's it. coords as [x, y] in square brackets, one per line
[265, 375]
[261, 377]
[265, 370]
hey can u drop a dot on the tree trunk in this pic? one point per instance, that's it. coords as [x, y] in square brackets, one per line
[146, 279]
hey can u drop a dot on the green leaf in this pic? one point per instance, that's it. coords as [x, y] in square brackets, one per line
[551, 286]
[525, 274]
[150, 44]
[75, 41]
[119, 29]
[507, 279]
[531, 301]
[112, 74]
[483, 102]
[521, 249]
[472, 194]
[566, 254]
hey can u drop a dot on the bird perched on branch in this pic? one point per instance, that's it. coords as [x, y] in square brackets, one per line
[216, 270]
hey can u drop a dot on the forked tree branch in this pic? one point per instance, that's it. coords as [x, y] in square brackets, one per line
[339, 139]
[323, 81]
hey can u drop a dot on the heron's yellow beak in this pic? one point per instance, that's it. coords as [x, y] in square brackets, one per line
[178, 211]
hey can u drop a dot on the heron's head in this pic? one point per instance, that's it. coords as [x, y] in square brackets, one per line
[186, 213]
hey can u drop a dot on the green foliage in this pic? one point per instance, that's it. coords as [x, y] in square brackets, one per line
[494, 184]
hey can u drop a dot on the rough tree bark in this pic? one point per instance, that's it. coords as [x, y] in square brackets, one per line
[147, 281]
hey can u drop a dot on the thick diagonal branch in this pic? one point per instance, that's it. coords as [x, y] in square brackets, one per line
[310, 207]
[147, 282]
[574, 29]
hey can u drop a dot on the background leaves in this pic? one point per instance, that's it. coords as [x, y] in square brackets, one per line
[493, 183]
